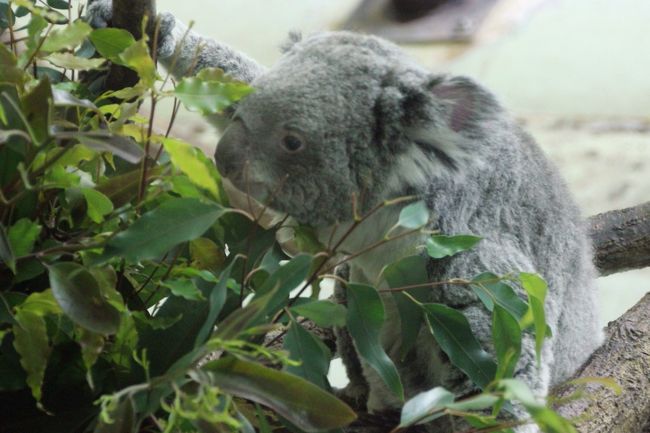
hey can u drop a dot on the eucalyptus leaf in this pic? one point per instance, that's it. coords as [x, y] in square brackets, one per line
[216, 301]
[77, 292]
[280, 284]
[506, 335]
[294, 398]
[424, 405]
[492, 290]
[136, 56]
[455, 337]
[323, 313]
[536, 288]
[408, 271]
[23, 235]
[157, 231]
[365, 319]
[309, 350]
[208, 96]
[439, 246]
[414, 215]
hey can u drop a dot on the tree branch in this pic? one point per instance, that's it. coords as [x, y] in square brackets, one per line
[625, 358]
[621, 239]
[128, 15]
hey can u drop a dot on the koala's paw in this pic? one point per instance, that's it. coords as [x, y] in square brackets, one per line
[166, 41]
[99, 13]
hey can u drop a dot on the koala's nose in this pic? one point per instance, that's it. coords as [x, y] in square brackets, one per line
[228, 155]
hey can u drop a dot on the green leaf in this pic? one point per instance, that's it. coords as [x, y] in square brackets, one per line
[323, 313]
[136, 56]
[70, 61]
[157, 231]
[506, 335]
[216, 301]
[97, 203]
[439, 246]
[408, 271]
[23, 235]
[279, 284]
[536, 289]
[111, 42]
[184, 288]
[209, 96]
[32, 344]
[491, 290]
[6, 253]
[191, 161]
[120, 146]
[424, 405]
[123, 188]
[91, 344]
[479, 402]
[36, 109]
[313, 355]
[414, 215]
[455, 337]
[123, 417]
[365, 319]
[301, 402]
[77, 292]
[206, 254]
[66, 37]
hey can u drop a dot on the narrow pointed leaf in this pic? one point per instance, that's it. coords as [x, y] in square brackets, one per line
[216, 300]
[365, 319]
[506, 335]
[6, 253]
[302, 403]
[157, 231]
[424, 405]
[536, 289]
[209, 96]
[321, 312]
[31, 343]
[408, 271]
[491, 290]
[122, 147]
[313, 355]
[455, 337]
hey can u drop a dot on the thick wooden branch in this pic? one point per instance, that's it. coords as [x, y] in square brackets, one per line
[128, 15]
[624, 358]
[621, 239]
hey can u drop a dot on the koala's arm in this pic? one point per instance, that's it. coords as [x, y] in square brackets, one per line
[182, 51]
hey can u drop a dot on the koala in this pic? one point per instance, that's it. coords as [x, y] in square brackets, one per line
[345, 117]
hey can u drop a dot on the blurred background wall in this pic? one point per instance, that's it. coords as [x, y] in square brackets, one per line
[575, 72]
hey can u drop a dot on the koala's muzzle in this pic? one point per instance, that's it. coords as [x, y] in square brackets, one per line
[230, 153]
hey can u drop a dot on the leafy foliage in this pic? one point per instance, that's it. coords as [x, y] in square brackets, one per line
[118, 276]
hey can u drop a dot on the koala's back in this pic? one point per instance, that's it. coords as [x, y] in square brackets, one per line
[516, 200]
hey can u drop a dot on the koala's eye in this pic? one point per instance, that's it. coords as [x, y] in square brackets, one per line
[292, 143]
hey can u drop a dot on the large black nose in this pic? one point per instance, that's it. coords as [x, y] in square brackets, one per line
[230, 151]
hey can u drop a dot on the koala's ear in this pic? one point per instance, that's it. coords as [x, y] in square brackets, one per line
[293, 38]
[448, 116]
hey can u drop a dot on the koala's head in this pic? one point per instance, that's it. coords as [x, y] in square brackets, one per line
[341, 115]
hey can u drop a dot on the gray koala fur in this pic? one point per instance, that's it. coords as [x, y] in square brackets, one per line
[367, 121]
